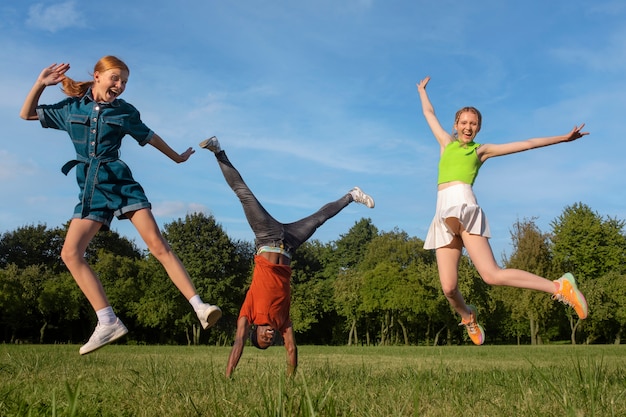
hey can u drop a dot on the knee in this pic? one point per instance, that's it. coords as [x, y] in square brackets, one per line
[492, 277]
[70, 254]
[450, 291]
[158, 247]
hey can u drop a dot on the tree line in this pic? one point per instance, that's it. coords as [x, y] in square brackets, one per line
[368, 287]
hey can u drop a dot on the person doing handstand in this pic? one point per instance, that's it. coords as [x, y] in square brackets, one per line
[265, 310]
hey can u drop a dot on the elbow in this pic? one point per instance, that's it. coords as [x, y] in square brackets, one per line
[28, 116]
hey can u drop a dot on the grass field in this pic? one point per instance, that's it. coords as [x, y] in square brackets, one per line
[53, 380]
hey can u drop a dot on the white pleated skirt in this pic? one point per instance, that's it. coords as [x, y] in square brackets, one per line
[457, 201]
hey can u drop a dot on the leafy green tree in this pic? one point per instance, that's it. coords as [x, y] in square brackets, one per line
[347, 289]
[312, 311]
[531, 252]
[326, 263]
[349, 249]
[393, 287]
[589, 246]
[111, 242]
[30, 302]
[62, 305]
[12, 305]
[32, 245]
[219, 267]
[608, 297]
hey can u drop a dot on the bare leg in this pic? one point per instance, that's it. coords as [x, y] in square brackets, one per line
[448, 265]
[147, 227]
[79, 234]
[481, 255]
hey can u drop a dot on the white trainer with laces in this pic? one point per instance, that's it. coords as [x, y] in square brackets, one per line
[211, 144]
[209, 315]
[360, 197]
[104, 334]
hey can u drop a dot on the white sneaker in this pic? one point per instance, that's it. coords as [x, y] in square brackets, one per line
[209, 315]
[103, 335]
[211, 144]
[360, 197]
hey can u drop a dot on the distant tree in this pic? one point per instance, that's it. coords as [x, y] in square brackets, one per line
[393, 284]
[312, 310]
[350, 248]
[219, 267]
[347, 290]
[127, 281]
[33, 299]
[589, 246]
[607, 295]
[32, 245]
[13, 306]
[112, 243]
[531, 252]
[62, 305]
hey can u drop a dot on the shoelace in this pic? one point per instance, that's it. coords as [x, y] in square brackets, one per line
[472, 326]
[560, 297]
[99, 328]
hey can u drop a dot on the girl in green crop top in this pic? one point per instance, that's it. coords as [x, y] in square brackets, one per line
[459, 222]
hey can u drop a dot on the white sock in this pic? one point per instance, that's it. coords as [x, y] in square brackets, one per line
[106, 316]
[196, 302]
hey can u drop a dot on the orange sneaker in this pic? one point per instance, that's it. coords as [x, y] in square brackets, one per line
[569, 294]
[474, 330]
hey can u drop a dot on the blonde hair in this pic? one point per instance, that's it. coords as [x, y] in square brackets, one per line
[79, 88]
[471, 110]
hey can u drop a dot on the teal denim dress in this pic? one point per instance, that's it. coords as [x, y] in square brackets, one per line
[107, 187]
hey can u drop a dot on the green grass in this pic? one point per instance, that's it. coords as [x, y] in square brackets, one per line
[121, 380]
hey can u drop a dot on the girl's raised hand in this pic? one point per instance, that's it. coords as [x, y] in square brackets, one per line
[53, 74]
[422, 84]
[576, 133]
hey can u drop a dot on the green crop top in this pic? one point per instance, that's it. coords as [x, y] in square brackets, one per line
[459, 163]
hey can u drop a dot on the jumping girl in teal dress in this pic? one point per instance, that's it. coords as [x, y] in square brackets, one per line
[97, 120]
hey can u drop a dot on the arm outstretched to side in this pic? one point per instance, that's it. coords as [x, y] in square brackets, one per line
[487, 151]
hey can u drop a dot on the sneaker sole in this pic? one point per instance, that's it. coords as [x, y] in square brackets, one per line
[482, 331]
[113, 338]
[205, 144]
[582, 301]
[212, 318]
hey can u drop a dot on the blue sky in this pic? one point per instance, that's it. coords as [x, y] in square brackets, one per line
[310, 98]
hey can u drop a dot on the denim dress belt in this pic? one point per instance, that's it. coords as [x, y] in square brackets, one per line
[93, 165]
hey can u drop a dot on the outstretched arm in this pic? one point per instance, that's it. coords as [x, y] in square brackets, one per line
[292, 350]
[243, 327]
[491, 150]
[160, 144]
[51, 75]
[440, 133]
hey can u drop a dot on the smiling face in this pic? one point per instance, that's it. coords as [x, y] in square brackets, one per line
[109, 84]
[264, 336]
[467, 124]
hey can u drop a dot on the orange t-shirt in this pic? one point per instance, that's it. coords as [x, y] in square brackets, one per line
[269, 298]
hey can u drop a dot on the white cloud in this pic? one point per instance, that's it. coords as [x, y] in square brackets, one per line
[55, 17]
